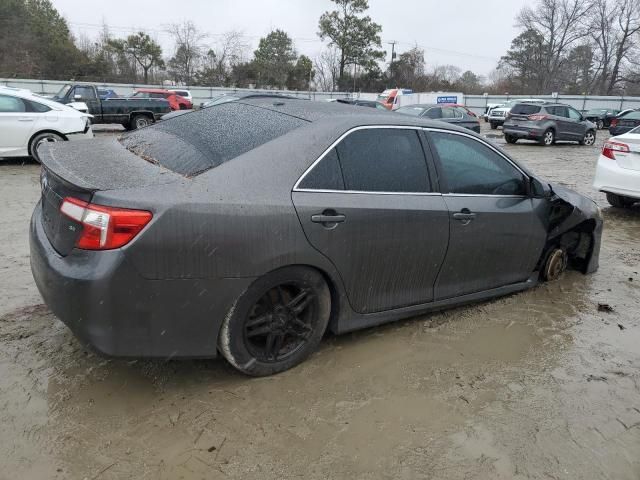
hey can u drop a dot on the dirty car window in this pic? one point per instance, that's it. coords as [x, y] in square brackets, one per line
[469, 167]
[192, 144]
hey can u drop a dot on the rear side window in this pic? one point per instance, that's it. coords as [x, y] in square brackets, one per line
[383, 160]
[36, 107]
[470, 167]
[191, 144]
[450, 112]
[525, 109]
[326, 175]
[11, 104]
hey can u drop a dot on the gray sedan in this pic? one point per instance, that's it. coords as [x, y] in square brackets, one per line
[252, 227]
[446, 113]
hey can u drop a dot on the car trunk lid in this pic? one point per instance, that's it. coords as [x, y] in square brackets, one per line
[80, 169]
[630, 160]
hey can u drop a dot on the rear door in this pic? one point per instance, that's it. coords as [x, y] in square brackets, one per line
[491, 216]
[565, 129]
[369, 206]
[16, 124]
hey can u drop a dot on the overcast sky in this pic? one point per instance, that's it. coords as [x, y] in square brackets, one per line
[471, 34]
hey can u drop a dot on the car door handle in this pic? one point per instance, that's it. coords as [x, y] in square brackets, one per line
[335, 218]
[25, 119]
[464, 216]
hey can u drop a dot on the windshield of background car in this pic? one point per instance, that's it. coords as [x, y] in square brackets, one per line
[525, 109]
[635, 115]
[413, 111]
[635, 130]
[182, 93]
[192, 144]
[63, 91]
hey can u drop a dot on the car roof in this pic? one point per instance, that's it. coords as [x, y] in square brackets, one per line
[344, 115]
[153, 90]
[29, 95]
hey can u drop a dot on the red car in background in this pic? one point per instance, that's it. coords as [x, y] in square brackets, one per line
[176, 102]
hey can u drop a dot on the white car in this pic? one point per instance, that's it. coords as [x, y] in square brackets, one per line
[182, 92]
[618, 169]
[498, 115]
[28, 120]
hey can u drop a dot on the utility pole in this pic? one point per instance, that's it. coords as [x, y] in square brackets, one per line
[393, 55]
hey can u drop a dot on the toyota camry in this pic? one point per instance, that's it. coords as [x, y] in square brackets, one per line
[251, 228]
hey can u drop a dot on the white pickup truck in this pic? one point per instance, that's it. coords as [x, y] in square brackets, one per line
[498, 115]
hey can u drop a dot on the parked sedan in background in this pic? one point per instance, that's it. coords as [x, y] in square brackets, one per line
[176, 102]
[601, 116]
[547, 124]
[249, 228]
[625, 122]
[618, 169]
[454, 115]
[27, 121]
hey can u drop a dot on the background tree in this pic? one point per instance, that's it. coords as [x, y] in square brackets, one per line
[327, 69]
[356, 37]
[526, 61]
[274, 59]
[188, 51]
[141, 48]
[301, 74]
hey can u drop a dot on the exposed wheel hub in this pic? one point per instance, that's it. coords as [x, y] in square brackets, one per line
[556, 264]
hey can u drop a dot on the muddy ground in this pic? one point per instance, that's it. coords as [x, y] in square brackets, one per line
[535, 385]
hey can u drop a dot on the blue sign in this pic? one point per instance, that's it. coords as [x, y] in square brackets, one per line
[451, 99]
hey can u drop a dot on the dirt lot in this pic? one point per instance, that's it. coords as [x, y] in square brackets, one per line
[536, 385]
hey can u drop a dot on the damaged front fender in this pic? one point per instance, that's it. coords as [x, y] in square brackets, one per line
[576, 225]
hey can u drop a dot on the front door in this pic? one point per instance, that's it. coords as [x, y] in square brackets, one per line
[87, 95]
[491, 217]
[369, 207]
[576, 125]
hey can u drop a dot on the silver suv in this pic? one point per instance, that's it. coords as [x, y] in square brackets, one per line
[547, 124]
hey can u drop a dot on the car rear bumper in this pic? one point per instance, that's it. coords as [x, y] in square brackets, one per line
[612, 178]
[522, 132]
[106, 303]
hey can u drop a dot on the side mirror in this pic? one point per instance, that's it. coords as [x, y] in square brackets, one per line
[77, 97]
[540, 189]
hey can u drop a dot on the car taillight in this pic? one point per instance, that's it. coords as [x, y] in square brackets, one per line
[537, 118]
[104, 228]
[614, 122]
[609, 149]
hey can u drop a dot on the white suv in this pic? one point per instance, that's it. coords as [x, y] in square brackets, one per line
[498, 115]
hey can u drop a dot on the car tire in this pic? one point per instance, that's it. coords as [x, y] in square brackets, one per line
[589, 138]
[555, 264]
[619, 201]
[511, 139]
[277, 322]
[139, 121]
[494, 126]
[41, 138]
[548, 138]
[600, 124]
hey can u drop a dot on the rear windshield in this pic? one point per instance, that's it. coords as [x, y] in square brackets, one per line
[632, 115]
[194, 143]
[525, 109]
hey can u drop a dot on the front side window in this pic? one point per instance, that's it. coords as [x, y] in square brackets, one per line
[383, 160]
[11, 104]
[84, 92]
[574, 114]
[471, 167]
